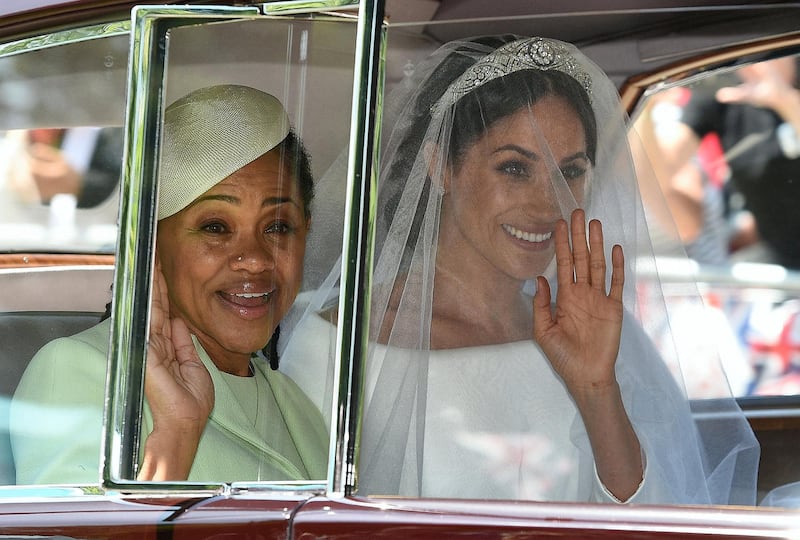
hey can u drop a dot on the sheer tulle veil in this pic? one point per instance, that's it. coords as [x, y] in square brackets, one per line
[489, 419]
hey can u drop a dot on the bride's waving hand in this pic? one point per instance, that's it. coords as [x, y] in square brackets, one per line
[581, 338]
[581, 335]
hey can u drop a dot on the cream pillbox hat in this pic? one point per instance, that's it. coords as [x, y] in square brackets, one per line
[211, 133]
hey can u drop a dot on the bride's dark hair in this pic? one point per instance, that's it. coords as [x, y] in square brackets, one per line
[477, 111]
[406, 143]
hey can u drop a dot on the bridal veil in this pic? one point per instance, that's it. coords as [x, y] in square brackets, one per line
[491, 419]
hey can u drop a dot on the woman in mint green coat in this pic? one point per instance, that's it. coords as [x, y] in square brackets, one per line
[235, 190]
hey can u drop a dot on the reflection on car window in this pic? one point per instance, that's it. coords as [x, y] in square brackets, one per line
[61, 143]
[726, 152]
[61, 112]
[59, 188]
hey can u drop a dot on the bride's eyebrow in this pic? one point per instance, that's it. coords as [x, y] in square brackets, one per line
[534, 156]
[515, 148]
[576, 155]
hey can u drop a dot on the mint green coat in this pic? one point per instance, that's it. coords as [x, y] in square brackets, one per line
[57, 415]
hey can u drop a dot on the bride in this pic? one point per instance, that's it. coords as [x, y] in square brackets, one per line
[509, 351]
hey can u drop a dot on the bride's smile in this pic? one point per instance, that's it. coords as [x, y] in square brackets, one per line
[532, 237]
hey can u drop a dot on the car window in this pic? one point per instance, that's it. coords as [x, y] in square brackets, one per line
[61, 141]
[723, 147]
[308, 66]
[720, 142]
[431, 421]
[62, 102]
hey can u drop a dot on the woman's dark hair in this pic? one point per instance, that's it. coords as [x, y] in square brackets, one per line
[428, 91]
[300, 164]
[477, 111]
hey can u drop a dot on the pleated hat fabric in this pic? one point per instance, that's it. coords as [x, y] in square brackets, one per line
[211, 133]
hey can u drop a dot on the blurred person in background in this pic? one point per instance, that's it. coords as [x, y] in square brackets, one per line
[757, 122]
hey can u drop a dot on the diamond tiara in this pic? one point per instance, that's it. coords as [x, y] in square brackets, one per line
[530, 53]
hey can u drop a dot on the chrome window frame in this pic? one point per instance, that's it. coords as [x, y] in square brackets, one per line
[135, 254]
[65, 37]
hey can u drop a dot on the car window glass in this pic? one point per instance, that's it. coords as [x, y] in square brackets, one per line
[60, 189]
[406, 49]
[61, 111]
[722, 144]
[62, 106]
[308, 68]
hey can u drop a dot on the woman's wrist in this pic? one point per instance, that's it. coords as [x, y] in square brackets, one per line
[596, 396]
[616, 448]
[169, 453]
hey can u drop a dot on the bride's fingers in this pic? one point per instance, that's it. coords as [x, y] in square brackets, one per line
[580, 252]
[564, 268]
[617, 273]
[597, 262]
[542, 317]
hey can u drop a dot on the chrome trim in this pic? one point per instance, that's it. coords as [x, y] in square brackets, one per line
[783, 412]
[65, 37]
[294, 7]
[738, 275]
[285, 487]
[633, 88]
[358, 247]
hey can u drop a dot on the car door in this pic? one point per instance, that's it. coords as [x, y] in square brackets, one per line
[308, 57]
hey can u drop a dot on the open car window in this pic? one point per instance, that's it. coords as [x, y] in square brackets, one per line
[61, 137]
[720, 142]
[62, 143]
[723, 147]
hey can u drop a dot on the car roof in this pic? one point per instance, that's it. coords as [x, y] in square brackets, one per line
[616, 16]
[626, 38]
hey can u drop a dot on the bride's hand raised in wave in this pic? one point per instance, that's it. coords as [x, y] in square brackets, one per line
[179, 391]
[581, 336]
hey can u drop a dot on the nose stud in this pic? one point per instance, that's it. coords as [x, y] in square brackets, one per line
[240, 258]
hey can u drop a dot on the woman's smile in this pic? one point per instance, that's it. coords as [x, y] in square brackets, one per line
[530, 237]
[504, 195]
[248, 305]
